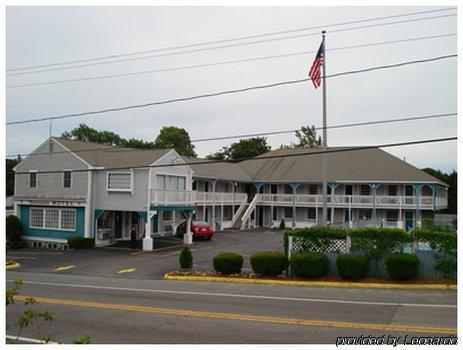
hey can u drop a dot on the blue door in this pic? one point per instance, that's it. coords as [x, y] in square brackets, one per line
[409, 220]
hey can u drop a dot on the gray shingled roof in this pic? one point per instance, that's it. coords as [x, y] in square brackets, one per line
[99, 155]
[223, 171]
[351, 165]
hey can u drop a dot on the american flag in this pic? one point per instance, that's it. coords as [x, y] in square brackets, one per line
[314, 72]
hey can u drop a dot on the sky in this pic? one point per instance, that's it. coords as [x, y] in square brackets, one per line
[43, 35]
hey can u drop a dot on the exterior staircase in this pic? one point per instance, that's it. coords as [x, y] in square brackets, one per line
[246, 218]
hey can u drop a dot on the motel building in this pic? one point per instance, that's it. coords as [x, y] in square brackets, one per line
[71, 188]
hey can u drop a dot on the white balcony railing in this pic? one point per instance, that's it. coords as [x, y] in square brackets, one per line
[165, 197]
[220, 197]
[406, 202]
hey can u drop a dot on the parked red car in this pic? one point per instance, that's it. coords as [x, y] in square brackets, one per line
[200, 229]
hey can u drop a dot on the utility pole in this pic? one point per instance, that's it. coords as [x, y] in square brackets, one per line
[325, 140]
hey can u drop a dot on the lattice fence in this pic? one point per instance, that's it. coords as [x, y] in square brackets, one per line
[324, 245]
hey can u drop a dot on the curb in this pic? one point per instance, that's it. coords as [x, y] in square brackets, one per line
[168, 276]
[13, 266]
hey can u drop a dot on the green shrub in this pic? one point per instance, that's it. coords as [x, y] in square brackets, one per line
[81, 243]
[402, 266]
[13, 229]
[309, 265]
[352, 267]
[376, 243]
[269, 263]
[228, 263]
[186, 259]
[282, 224]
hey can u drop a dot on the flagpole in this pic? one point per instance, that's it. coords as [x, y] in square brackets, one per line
[325, 141]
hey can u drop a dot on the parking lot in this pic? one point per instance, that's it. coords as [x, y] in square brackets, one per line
[145, 265]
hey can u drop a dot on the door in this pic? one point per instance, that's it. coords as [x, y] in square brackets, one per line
[409, 220]
[260, 216]
[118, 221]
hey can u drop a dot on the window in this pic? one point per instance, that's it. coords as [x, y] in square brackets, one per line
[36, 218]
[104, 221]
[348, 190]
[392, 190]
[68, 219]
[226, 187]
[392, 216]
[365, 190]
[313, 189]
[52, 219]
[365, 215]
[346, 215]
[288, 189]
[67, 178]
[311, 213]
[409, 190]
[170, 182]
[227, 213]
[166, 215]
[120, 182]
[33, 179]
[288, 213]
[275, 214]
[273, 189]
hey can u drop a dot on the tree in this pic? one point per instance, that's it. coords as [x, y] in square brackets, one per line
[169, 137]
[9, 175]
[88, 134]
[306, 138]
[451, 180]
[177, 138]
[244, 148]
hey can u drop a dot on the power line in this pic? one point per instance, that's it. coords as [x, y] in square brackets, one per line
[213, 64]
[230, 45]
[227, 92]
[203, 162]
[231, 39]
[338, 126]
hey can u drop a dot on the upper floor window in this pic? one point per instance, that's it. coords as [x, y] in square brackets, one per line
[288, 189]
[348, 190]
[170, 182]
[67, 179]
[392, 190]
[313, 189]
[33, 179]
[365, 190]
[120, 181]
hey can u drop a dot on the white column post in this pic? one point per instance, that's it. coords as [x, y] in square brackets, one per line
[213, 203]
[188, 237]
[147, 243]
[88, 207]
[290, 248]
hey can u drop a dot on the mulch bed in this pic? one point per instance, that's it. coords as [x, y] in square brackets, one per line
[323, 279]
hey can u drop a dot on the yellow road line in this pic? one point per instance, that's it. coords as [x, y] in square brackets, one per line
[126, 271]
[242, 317]
[169, 276]
[63, 268]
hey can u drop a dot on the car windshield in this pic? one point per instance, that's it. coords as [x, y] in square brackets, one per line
[203, 223]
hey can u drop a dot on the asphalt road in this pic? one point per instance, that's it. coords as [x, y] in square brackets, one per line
[121, 310]
[152, 265]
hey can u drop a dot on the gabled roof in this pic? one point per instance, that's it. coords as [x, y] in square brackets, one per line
[106, 156]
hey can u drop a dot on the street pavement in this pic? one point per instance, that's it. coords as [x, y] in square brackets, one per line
[141, 265]
[122, 310]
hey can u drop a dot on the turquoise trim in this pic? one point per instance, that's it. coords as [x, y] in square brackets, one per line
[258, 185]
[98, 213]
[294, 185]
[333, 185]
[143, 215]
[46, 233]
[173, 207]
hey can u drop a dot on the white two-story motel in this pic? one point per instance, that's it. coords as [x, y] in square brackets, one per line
[70, 188]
